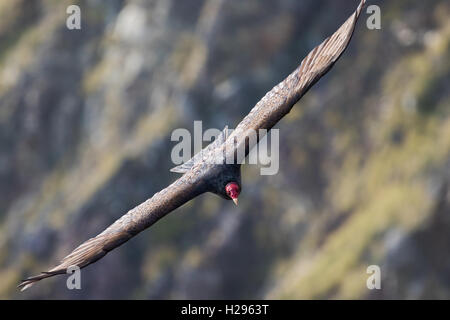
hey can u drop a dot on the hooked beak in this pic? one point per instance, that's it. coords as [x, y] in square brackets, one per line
[233, 191]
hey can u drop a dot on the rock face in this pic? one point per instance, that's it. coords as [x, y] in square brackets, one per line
[86, 118]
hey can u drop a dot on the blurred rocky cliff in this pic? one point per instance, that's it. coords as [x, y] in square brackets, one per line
[86, 118]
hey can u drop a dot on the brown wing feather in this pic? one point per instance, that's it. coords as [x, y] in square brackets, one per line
[280, 100]
[141, 217]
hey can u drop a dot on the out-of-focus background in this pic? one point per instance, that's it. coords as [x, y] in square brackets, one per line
[85, 123]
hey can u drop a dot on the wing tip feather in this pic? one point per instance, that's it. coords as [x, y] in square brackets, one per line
[30, 281]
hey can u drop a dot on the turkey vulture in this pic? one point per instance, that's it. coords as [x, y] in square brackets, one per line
[208, 171]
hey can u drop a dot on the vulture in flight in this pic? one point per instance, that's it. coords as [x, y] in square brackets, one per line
[208, 171]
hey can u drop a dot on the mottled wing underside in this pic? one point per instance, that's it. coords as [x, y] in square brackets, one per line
[129, 225]
[279, 101]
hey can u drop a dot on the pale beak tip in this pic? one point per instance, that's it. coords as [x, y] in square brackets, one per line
[235, 200]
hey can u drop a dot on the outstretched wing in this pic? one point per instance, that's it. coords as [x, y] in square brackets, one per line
[279, 101]
[129, 225]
